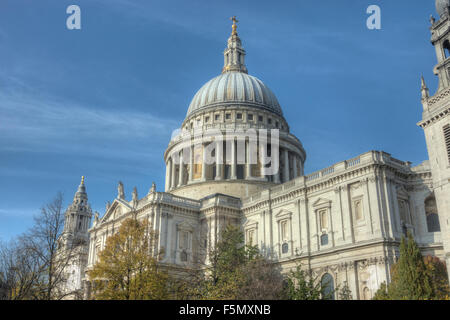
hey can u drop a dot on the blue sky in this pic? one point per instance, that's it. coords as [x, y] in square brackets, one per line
[102, 101]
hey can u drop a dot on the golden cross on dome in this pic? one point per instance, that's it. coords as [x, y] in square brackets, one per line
[82, 179]
[234, 26]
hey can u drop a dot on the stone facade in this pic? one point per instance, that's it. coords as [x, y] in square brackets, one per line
[344, 222]
[436, 122]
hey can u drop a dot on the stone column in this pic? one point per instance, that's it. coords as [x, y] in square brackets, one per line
[181, 171]
[294, 165]
[286, 165]
[248, 166]
[191, 165]
[263, 156]
[167, 186]
[203, 162]
[219, 159]
[233, 161]
[174, 170]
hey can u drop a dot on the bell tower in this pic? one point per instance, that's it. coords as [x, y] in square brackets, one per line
[436, 121]
[77, 219]
[74, 242]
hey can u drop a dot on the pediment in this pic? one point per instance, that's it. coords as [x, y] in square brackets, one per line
[322, 202]
[402, 193]
[282, 214]
[117, 207]
[250, 223]
[185, 226]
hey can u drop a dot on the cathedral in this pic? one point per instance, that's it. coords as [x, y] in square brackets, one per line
[235, 161]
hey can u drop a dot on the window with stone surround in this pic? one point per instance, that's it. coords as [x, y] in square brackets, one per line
[327, 287]
[432, 215]
[323, 218]
[446, 48]
[447, 140]
[250, 237]
[284, 230]
[183, 240]
[404, 211]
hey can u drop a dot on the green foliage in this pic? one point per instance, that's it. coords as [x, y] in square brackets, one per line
[301, 285]
[236, 272]
[345, 293]
[382, 293]
[413, 277]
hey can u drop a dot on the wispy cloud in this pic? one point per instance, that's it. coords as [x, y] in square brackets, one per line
[34, 123]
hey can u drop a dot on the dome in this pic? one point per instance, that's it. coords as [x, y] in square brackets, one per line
[441, 5]
[233, 88]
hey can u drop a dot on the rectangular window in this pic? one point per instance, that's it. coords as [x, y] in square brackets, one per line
[217, 117]
[269, 121]
[260, 118]
[184, 240]
[228, 116]
[239, 116]
[323, 219]
[250, 237]
[447, 140]
[206, 119]
[250, 117]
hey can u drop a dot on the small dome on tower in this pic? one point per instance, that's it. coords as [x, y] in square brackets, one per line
[441, 6]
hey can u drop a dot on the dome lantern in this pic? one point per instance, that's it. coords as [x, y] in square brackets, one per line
[234, 54]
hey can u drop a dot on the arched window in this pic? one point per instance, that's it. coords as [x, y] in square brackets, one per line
[432, 215]
[323, 219]
[446, 47]
[285, 248]
[327, 286]
[324, 239]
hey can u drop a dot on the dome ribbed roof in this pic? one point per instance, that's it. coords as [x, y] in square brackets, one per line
[232, 88]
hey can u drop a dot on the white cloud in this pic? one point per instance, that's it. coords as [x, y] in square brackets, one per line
[34, 123]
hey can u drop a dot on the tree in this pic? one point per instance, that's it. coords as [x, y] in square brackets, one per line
[437, 272]
[302, 286]
[42, 242]
[262, 280]
[345, 293]
[126, 269]
[236, 272]
[19, 272]
[413, 277]
[30, 265]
